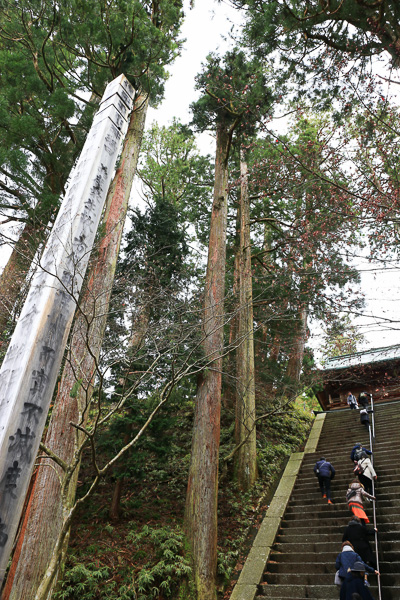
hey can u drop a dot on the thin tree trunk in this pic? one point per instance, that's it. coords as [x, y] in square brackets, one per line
[229, 397]
[275, 348]
[202, 492]
[15, 272]
[54, 492]
[116, 500]
[293, 370]
[245, 392]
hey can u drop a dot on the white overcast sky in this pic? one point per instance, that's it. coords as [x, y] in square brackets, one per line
[206, 29]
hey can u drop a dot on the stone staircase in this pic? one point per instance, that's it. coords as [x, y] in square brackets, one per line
[301, 563]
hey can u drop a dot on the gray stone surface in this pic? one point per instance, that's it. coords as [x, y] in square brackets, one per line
[267, 532]
[30, 368]
[254, 566]
[302, 557]
[244, 592]
[315, 433]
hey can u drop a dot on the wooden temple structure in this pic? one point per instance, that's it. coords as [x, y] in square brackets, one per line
[375, 371]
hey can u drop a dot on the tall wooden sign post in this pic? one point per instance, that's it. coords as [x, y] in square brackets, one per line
[31, 365]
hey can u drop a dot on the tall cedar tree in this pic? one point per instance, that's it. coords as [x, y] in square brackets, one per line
[246, 460]
[359, 29]
[229, 86]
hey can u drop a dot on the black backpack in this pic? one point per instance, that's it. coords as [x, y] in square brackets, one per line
[359, 454]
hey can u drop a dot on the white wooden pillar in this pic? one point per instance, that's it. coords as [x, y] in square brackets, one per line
[31, 365]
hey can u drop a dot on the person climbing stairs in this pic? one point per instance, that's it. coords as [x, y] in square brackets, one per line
[301, 563]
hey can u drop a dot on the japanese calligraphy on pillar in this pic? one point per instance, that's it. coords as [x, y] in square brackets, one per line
[30, 368]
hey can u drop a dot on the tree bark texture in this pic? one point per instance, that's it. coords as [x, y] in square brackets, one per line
[116, 500]
[297, 353]
[246, 461]
[202, 492]
[229, 397]
[15, 272]
[36, 573]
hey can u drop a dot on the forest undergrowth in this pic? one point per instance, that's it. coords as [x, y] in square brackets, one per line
[143, 554]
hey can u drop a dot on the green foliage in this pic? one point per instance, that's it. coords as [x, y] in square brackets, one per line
[172, 169]
[171, 573]
[82, 582]
[322, 41]
[167, 574]
[280, 436]
[52, 56]
[156, 456]
[233, 89]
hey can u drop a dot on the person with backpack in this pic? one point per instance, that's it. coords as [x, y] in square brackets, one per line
[352, 401]
[364, 417]
[325, 472]
[354, 496]
[359, 451]
[347, 558]
[365, 472]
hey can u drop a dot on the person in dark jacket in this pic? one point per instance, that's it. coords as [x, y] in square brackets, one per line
[363, 399]
[358, 535]
[354, 584]
[364, 417]
[325, 473]
[358, 448]
[346, 559]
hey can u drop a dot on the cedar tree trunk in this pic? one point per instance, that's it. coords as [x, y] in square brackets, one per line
[296, 355]
[246, 461]
[202, 492]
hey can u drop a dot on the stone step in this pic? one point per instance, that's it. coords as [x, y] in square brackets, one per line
[350, 430]
[323, 592]
[337, 526]
[384, 457]
[329, 546]
[326, 557]
[323, 567]
[322, 509]
[293, 535]
[385, 497]
[343, 477]
[302, 559]
[311, 578]
[327, 592]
